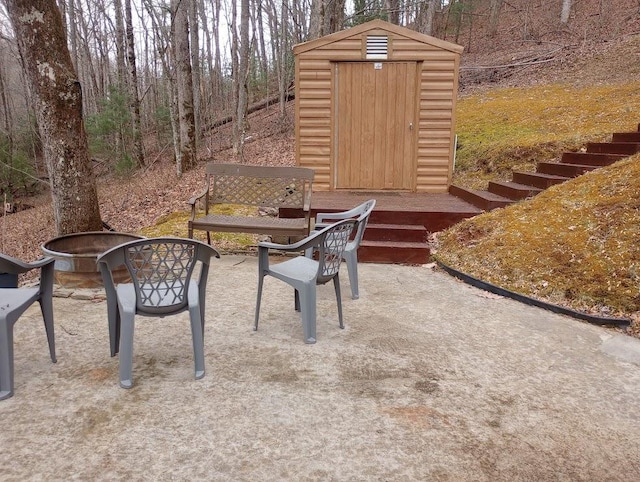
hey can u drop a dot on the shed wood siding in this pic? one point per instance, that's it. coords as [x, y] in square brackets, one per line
[316, 103]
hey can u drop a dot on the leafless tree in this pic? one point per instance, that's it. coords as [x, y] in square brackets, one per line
[566, 11]
[494, 16]
[425, 15]
[327, 16]
[120, 42]
[240, 80]
[40, 34]
[194, 50]
[134, 99]
[393, 11]
[184, 86]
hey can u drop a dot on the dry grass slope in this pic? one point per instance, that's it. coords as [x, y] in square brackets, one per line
[514, 128]
[575, 244]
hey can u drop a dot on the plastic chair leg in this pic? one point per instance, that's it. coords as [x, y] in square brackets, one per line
[202, 304]
[308, 308]
[126, 349]
[46, 306]
[6, 358]
[198, 340]
[260, 283]
[336, 286]
[351, 258]
[113, 315]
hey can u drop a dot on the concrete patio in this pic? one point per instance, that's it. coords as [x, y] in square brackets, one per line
[430, 380]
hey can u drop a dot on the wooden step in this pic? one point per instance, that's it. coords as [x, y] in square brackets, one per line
[626, 137]
[628, 148]
[433, 220]
[538, 179]
[484, 200]
[564, 169]
[591, 158]
[513, 190]
[396, 232]
[393, 252]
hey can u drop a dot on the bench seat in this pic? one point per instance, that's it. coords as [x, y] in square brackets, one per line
[252, 224]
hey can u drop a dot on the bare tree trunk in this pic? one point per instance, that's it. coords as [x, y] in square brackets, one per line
[73, 34]
[470, 14]
[62, 5]
[240, 80]
[425, 15]
[85, 63]
[393, 9]
[494, 16]
[316, 20]
[120, 44]
[460, 6]
[282, 61]
[194, 47]
[300, 27]
[134, 99]
[42, 43]
[566, 11]
[206, 100]
[165, 51]
[184, 83]
[7, 127]
[333, 16]
[259, 26]
[217, 84]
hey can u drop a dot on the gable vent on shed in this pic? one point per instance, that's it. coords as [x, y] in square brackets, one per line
[377, 46]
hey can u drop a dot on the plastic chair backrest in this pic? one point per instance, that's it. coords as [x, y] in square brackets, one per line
[334, 241]
[160, 272]
[363, 218]
[160, 269]
[360, 213]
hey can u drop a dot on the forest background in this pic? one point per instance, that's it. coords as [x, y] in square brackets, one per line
[168, 85]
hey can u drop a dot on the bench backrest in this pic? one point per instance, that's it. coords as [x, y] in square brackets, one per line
[259, 185]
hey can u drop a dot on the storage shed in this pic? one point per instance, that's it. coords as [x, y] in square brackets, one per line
[375, 109]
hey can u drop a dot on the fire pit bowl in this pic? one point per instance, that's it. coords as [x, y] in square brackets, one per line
[76, 254]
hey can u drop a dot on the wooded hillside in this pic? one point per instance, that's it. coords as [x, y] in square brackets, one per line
[132, 56]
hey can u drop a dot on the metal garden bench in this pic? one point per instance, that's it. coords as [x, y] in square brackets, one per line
[265, 187]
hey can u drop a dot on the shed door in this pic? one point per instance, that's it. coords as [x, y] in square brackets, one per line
[376, 126]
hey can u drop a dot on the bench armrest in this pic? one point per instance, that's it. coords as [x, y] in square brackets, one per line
[194, 200]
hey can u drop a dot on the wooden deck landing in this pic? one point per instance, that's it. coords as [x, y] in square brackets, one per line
[433, 211]
[400, 223]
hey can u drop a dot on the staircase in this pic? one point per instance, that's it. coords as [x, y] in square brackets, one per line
[572, 164]
[387, 243]
[400, 223]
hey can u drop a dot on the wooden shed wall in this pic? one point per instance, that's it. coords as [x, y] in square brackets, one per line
[315, 105]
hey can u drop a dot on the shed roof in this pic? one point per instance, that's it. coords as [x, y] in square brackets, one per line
[377, 25]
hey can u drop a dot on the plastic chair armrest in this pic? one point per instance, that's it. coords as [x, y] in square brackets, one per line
[301, 245]
[321, 218]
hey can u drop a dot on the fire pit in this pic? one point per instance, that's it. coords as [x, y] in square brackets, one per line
[75, 257]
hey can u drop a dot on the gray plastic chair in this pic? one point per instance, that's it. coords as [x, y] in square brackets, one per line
[161, 271]
[361, 213]
[305, 273]
[13, 303]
